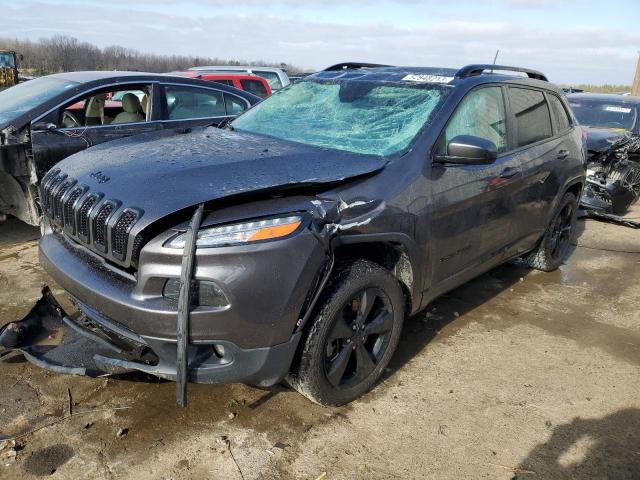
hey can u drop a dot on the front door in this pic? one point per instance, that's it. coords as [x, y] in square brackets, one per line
[100, 116]
[473, 206]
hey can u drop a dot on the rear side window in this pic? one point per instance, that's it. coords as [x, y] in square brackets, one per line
[533, 120]
[187, 102]
[481, 114]
[254, 86]
[559, 113]
[235, 105]
[224, 82]
[271, 77]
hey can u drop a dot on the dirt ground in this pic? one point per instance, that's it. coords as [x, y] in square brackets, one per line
[518, 374]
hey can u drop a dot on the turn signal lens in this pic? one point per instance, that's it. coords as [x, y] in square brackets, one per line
[268, 233]
[239, 233]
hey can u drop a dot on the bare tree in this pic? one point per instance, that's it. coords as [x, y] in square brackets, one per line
[62, 53]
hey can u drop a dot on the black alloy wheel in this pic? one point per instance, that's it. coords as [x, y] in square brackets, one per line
[562, 232]
[359, 338]
[352, 335]
[555, 244]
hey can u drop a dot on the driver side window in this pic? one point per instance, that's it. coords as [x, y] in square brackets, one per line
[128, 104]
[481, 114]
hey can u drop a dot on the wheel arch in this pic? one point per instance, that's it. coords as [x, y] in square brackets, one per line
[574, 186]
[393, 251]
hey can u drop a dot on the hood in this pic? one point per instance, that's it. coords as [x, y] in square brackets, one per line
[602, 139]
[162, 174]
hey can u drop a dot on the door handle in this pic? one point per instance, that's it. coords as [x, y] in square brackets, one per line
[562, 154]
[509, 172]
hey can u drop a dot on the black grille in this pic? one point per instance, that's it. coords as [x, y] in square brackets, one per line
[46, 181]
[68, 208]
[100, 224]
[57, 206]
[83, 216]
[135, 251]
[51, 192]
[87, 217]
[120, 232]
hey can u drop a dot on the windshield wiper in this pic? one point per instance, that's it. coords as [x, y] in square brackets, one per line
[225, 124]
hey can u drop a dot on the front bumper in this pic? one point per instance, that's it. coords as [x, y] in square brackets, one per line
[267, 285]
[52, 340]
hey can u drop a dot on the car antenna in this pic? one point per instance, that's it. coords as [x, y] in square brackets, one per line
[495, 58]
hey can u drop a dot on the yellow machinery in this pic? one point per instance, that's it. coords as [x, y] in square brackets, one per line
[8, 68]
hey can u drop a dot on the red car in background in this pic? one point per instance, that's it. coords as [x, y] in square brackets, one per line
[249, 83]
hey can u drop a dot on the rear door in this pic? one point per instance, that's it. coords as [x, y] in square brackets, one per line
[102, 115]
[191, 106]
[474, 209]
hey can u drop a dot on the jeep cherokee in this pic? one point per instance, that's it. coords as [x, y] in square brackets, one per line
[325, 216]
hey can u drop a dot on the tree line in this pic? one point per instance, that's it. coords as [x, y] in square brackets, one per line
[62, 53]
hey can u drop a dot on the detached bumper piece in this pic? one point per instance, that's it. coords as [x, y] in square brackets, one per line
[607, 217]
[50, 339]
[95, 346]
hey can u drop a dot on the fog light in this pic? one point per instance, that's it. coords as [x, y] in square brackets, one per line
[203, 293]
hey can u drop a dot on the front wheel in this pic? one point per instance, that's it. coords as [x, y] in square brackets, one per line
[353, 336]
[555, 244]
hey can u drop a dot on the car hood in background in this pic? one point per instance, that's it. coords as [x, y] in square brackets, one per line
[162, 174]
[602, 139]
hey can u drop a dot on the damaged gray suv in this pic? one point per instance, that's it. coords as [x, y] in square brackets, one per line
[292, 244]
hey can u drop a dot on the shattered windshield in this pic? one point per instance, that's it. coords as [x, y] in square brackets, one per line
[356, 116]
[605, 114]
[23, 97]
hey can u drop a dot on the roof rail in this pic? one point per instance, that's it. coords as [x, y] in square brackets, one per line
[352, 66]
[479, 69]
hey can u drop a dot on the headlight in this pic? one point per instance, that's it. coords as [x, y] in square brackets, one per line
[248, 232]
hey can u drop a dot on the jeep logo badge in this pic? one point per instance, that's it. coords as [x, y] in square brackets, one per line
[100, 177]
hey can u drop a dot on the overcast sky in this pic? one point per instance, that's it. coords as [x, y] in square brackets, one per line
[572, 41]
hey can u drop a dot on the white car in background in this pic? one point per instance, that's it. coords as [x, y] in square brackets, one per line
[276, 77]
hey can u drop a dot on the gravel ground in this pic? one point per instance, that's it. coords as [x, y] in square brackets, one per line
[517, 374]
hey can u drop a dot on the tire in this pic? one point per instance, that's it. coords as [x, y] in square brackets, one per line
[361, 298]
[554, 246]
[630, 179]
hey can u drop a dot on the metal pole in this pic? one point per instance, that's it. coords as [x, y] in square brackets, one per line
[635, 88]
[184, 306]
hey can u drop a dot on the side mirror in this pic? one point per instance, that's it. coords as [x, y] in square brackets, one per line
[469, 150]
[44, 127]
[21, 57]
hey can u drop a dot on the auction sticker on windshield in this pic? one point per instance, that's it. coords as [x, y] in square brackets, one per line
[612, 108]
[427, 78]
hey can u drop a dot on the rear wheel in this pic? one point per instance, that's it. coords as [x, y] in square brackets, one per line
[555, 243]
[353, 336]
